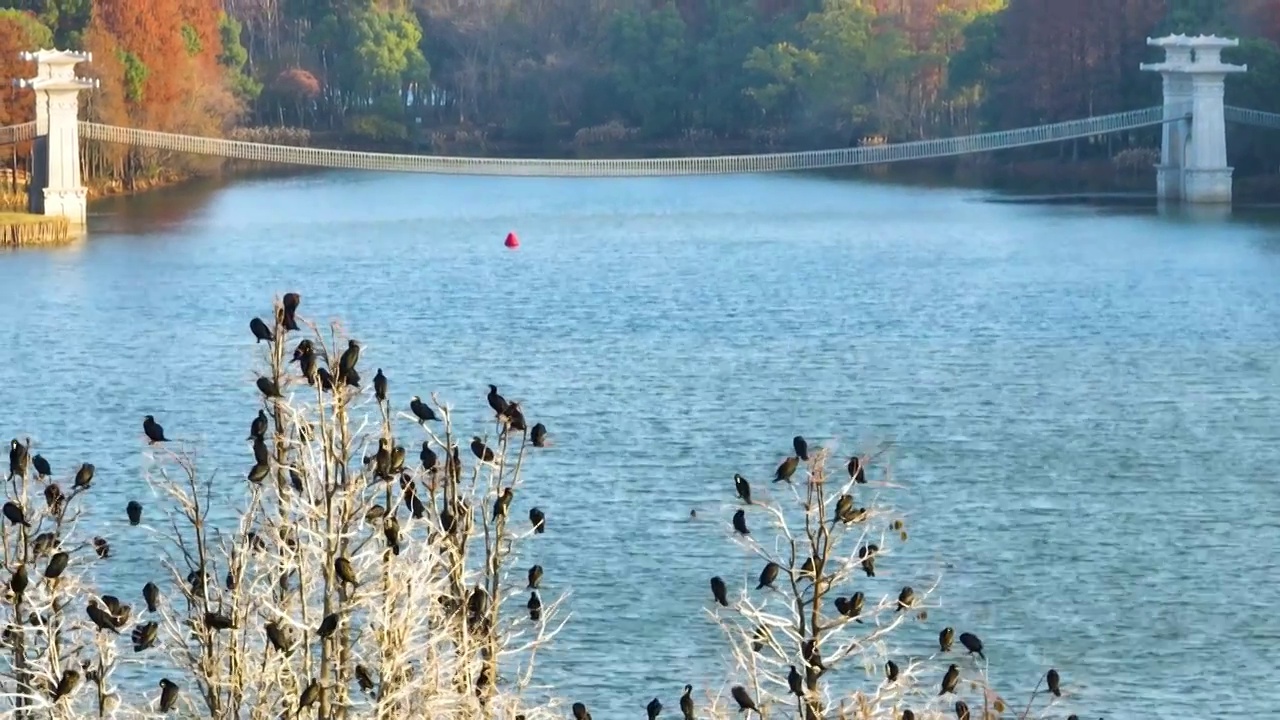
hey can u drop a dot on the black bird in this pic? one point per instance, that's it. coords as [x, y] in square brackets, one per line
[503, 503]
[260, 452]
[18, 455]
[134, 511]
[538, 435]
[795, 682]
[786, 469]
[962, 710]
[801, 447]
[534, 606]
[309, 695]
[743, 699]
[515, 417]
[740, 522]
[350, 356]
[279, 637]
[13, 513]
[258, 428]
[580, 712]
[345, 572]
[950, 679]
[538, 519]
[151, 594]
[261, 331]
[363, 679]
[328, 625]
[18, 583]
[768, 575]
[760, 638]
[326, 380]
[1054, 682]
[906, 598]
[421, 410]
[428, 456]
[290, 303]
[891, 671]
[56, 565]
[44, 543]
[153, 430]
[496, 401]
[84, 475]
[481, 450]
[41, 465]
[168, 694]
[972, 643]
[53, 497]
[259, 472]
[102, 547]
[101, 617]
[857, 472]
[686, 703]
[844, 509]
[380, 386]
[743, 487]
[535, 577]
[856, 601]
[268, 387]
[351, 378]
[908, 715]
[945, 637]
[218, 621]
[720, 591]
[66, 684]
[144, 636]
[653, 708]
[867, 554]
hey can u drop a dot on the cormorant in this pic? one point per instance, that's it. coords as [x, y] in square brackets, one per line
[856, 601]
[515, 417]
[496, 401]
[686, 703]
[290, 303]
[428, 456]
[134, 511]
[867, 554]
[153, 430]
[342, 568]
[857, 473]
[1054, 682]
[380, 386]
[261, 331]
[950, 679]
[743, 487]
[481, 450]
[962, 710]
[18, 455]
[891, 671]
[260, 452]
[218, 621]
[66, 684]
[144, 636]
[328, 625]
[41, 465]
[56, 565]
[168, 694]
[740, 522]
[151, 594]
[743, 699]
[18, 583]
[84, 475]
[538, 519]
[720, 591]
[795, 682]
[309, 695]
[421, 410]
[538, 435]
[906, 598]
[580, 710]
[259, 472]
[350, 356]
[102, 547]
[279, 637]
[786, 469]
[972, 643]
[768, 575]
[363, 679]
[653, 708]
[258, 428]
[13, 513]
[102, 618]
[268, 387]
[945, 637]
[801, 447]
[503, 502]
[535, 577]
[534, 606]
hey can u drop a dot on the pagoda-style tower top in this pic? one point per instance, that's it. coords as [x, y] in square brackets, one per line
[56, 70]
[1199, 54]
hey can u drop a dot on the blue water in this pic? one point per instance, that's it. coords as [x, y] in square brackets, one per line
[1082, 402]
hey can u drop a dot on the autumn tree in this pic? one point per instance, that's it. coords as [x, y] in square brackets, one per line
[20, 31]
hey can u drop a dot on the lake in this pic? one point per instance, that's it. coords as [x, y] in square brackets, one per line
[1083, 400]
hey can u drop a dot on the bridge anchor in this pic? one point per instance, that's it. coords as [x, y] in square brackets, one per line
[56, 187]
[1193, 156]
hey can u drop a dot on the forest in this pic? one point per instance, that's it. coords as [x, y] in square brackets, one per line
[630, 77]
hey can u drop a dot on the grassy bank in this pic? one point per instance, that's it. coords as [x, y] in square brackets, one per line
[20, 229]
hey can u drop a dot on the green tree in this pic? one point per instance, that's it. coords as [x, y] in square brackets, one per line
[651, 61]
[234, 57]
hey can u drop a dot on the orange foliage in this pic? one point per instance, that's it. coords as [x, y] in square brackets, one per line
[176, 43]
[16, 105]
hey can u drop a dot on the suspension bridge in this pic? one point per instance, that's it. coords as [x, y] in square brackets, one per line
[1193, 163]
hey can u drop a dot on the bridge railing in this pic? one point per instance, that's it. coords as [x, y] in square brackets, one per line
[10, 134]
[726, 164]
[1256, 118]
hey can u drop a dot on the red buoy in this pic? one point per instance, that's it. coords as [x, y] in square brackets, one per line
[512, 241]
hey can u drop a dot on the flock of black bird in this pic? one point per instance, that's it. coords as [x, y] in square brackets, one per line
[110, 614]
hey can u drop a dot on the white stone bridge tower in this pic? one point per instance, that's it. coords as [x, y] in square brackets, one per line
[56, 187]
[1193, 155]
